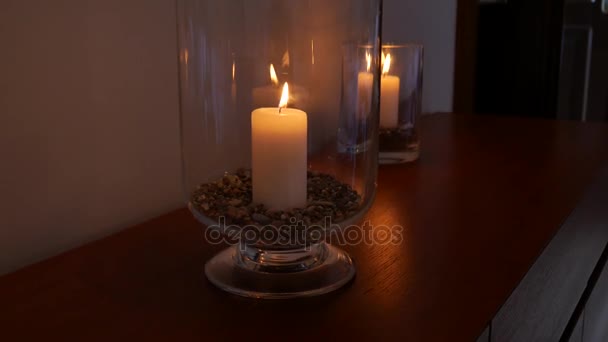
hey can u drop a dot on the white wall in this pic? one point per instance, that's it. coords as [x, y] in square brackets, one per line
[432, 23]
[88, 121]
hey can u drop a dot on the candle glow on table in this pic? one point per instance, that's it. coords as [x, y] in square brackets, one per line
[279, 155]
[365, 84]
[389, 96]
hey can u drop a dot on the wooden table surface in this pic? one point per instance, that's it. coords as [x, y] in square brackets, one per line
[478, 208]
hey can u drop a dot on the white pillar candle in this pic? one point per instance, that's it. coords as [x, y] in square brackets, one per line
[267, 95]
[389, 97]
[389, 102]
[279, 156]
[365, 83]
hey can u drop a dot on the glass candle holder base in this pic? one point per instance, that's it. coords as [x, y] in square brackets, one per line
[267, 274]
[389, 158]
[398, 146]
[354, 148]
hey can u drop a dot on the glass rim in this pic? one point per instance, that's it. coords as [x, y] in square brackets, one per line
[419, 46]
[402, 46]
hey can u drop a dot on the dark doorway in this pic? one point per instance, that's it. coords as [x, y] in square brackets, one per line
[537, 58]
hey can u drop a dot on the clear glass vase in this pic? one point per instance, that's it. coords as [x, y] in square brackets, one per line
[401, 102]
[267, 94]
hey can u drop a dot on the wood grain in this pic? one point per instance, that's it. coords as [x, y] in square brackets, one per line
[541, 306]
[477, 209]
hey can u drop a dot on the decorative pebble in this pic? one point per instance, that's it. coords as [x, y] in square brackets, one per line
[231, 198]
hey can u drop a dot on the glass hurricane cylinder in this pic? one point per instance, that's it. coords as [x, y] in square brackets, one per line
[265, 91]
[401, 102]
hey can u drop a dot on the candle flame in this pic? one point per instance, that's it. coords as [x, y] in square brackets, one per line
[368, 59]
[273, 76]
[284, 97]
[233, 70]
[387, 64]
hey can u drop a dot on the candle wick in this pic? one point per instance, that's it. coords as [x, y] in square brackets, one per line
[280, 109]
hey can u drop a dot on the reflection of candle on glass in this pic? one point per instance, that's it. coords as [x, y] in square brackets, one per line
[233, 87]
[279, 151]
[267, 96]
[389, 97]
[365, 83]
